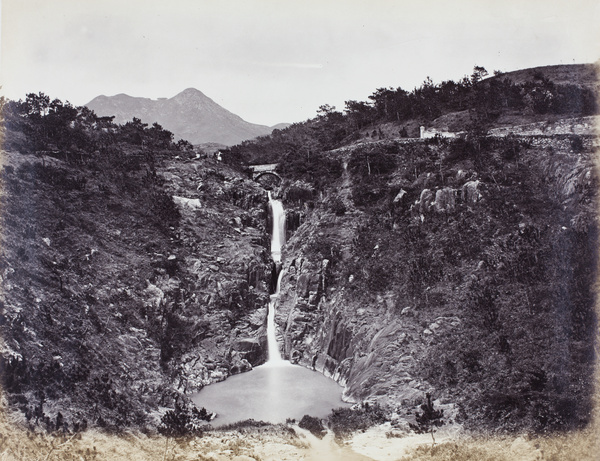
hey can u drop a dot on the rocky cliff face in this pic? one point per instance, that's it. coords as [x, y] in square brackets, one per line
[126, 288]
[443, 273]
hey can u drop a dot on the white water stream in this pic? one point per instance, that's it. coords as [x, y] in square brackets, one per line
[278, 389]
[274, 355]
[278, 229]
[277, 240]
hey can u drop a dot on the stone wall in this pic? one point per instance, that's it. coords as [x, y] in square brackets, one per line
[585, 126]
[577, 125]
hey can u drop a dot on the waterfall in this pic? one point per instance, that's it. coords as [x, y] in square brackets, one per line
[277, 240]
[272, 346]
[278, 230]
[276, 390]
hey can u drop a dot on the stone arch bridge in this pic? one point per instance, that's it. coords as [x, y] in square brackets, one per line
[266, 172]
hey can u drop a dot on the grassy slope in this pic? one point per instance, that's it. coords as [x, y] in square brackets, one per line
[584, 75]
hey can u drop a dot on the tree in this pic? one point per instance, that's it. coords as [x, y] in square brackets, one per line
[133, 131]
[325, 110]
[429, 419]
[37, 104]
[384, 102]
[360, 112]
[478, 74]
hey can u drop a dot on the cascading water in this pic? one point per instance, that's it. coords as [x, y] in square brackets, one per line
[277, 240]
[274, 355]
[276, 390]
[278, 228]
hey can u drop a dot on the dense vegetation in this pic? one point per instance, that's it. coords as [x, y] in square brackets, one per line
[484, 99]
[98, 305]
[518, 269]
[39, 124]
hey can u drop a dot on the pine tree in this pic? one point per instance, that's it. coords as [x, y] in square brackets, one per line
[429, 419]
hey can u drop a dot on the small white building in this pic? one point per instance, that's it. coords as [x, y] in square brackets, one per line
[432, 132]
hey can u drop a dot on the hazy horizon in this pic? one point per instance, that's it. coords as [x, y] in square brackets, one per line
[272, 62]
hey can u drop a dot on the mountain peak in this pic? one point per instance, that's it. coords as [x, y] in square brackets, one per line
[190, 92]
[189, 115]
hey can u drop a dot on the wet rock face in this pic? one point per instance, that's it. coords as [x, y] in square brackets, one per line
[339, 340]
[355, 345]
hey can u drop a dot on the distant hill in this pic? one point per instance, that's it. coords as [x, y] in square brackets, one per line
[582, 75]
[280, 126]
[190, 115]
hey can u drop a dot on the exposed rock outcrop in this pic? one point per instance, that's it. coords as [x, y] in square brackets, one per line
[444, 200]
[404, 284]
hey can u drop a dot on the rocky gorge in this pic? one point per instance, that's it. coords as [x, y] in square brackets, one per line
[440, 274]
[456, 271]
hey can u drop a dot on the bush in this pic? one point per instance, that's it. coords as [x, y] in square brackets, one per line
[313, 425]
[576, 144]
[337, 206]
[428, 419]
[379, 160]
[245, 424]
[344, 421]
[299, 192]
[164, 208]
[511, 149]
[182, 421]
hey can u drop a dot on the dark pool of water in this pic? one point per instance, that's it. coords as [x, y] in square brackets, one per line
[271, 393]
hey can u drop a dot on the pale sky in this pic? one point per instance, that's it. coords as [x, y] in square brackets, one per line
[272, 61]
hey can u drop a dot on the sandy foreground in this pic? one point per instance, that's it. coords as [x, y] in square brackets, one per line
[288, 443]
[385, 442]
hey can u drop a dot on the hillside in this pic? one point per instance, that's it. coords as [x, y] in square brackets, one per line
[581, 75]
[463, 267]
[135, 270]
[131, 275]
[190, 115]
[474, 104]
[464, 270]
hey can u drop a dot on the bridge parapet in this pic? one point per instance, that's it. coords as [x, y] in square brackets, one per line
[265, 169]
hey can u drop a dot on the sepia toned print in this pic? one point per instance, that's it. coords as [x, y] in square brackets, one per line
[318, 230]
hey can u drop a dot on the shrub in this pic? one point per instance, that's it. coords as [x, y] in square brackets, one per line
[164, 208]
[576, 144]
[428, 419]
[181, 421]
[345, 421]
[511, 149]
[337, 206]
[245, 424]
[313, 425]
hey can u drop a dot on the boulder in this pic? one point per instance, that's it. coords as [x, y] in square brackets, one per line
[444, 200]
[189, 203]
[470, 192]
[425, 200]
[443, 324]
[238, 364]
